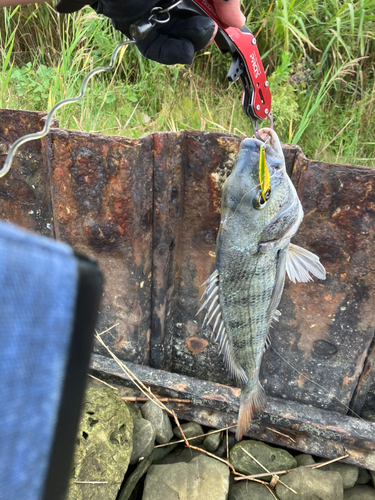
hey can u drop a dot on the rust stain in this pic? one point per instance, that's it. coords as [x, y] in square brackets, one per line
[313, 322]
[180, 387]
[196, 345]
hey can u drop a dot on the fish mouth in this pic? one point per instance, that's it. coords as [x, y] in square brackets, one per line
[271, 139]
[271, 145]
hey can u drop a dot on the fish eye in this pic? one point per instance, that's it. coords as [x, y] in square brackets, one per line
[259, 202]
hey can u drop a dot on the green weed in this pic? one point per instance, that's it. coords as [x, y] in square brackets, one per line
[320, 57]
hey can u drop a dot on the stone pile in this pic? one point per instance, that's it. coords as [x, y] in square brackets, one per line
[119, 457]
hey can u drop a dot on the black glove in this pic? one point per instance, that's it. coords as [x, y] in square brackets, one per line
[174, 42]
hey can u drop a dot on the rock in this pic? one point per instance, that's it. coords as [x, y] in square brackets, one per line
[304, 459]
[311, 484]
[143, 439]
[247, 490]
[135, 412]
[349, 473]
[273, 459]
[360, 493]
[104, 446]
[182, 454]
[222, 450]
[159, 420]
[190, 429]
[372, 474]
[203, 478]
[211, 442]
[132, 487]
[363, 476]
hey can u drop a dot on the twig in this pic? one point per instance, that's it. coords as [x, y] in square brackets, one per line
[195, 437]
[275, 476]
[311, 466]
[281, 434]
[102, 381]
[163, 400]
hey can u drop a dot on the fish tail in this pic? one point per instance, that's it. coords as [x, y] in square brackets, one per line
[251, 404]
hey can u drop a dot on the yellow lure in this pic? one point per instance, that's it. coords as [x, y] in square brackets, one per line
[264, 175]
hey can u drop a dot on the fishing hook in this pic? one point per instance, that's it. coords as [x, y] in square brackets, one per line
[38, 135]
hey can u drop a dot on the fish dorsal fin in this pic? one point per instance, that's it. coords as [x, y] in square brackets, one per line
[301, 262]
[214, 318]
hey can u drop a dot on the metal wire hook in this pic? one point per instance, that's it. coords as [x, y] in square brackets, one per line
[254, 124]
[38, 135]
[160, 10]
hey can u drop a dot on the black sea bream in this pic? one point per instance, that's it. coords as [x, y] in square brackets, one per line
[253, 253]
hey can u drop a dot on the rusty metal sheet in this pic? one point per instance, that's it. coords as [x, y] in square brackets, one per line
[102, 203]
[188, 172]
[327, 328]
[283, 423]
[148, 210]
[24, 192]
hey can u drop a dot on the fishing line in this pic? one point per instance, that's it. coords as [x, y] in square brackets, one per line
[316, 383]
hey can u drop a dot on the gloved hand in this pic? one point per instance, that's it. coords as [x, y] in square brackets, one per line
[174, 42]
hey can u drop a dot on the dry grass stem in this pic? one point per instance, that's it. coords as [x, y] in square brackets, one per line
[135, 399]
[336, 137]
[281, 434]
[90, 482]
[147, 392]
[274, 476]
[227, 439]
[195, 437]
[108, 329]
[141, 386]
[316, 466]
[312, 466]
[138, 383]
[102, 381]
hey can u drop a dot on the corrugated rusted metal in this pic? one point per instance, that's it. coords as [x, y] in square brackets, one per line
[24, 193]
[148, 210]
[102, 194]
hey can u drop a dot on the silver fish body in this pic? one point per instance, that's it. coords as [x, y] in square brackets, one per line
[253, 253]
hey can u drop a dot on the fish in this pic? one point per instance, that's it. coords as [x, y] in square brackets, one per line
[260, 213]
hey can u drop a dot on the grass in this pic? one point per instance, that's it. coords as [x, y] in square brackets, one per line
[320, 56]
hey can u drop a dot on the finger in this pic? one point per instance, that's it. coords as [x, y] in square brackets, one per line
[69, 6]
[229, 12]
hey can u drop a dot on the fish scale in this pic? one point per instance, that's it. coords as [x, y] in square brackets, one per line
[253, 254]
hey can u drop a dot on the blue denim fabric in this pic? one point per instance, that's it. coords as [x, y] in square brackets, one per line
[37, 299]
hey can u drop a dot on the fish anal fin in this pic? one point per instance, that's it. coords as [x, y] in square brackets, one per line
[300, 263]
[250, 405]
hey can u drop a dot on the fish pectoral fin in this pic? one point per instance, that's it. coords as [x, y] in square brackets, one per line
[234, 369]
[301, 262]
[279, 283]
